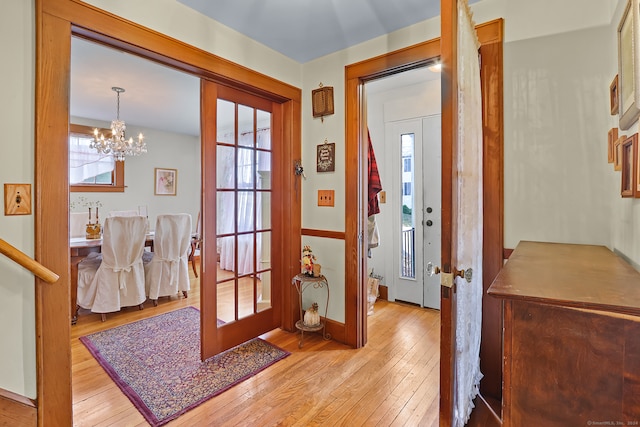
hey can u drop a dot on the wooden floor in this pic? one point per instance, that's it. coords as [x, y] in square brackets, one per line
[392, 381]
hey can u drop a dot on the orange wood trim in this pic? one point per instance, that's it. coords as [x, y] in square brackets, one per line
[51, 198]
[17, 410]
[336, 330]
[491, 79]
[506, 253]
[323, 233]
[449, 94]
[105, 27]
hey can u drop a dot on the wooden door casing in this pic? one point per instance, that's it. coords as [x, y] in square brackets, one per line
[56, 22]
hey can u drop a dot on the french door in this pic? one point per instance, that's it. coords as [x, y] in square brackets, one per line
[241, 148]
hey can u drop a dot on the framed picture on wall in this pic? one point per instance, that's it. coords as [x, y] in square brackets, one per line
[629, 165]
[166, 182]
[326, 157]
[636, 156]
[611, 140]
[627, 66]
[613, 95]
[617, 153]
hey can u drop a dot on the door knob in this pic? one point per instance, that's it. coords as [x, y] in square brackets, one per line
[464, 274]
[432, 269]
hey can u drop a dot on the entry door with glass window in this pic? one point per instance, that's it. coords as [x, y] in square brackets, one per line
[241, 284]
[416, 202]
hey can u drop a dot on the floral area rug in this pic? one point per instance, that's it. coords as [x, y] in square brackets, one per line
[156, 363]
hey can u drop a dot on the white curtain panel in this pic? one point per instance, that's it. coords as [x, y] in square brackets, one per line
[469, 295]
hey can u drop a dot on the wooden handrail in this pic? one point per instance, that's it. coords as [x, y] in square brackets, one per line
[30, 264]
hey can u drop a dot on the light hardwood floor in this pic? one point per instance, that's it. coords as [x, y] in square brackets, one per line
[392, 381]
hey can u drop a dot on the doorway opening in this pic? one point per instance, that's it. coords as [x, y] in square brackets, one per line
[403, 121]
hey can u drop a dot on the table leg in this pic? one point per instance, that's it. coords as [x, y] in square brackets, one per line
[73, 306]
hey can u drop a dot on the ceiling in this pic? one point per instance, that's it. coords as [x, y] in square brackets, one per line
[308, 29]
[162, 98]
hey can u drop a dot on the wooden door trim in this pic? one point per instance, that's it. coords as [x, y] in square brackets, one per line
[56, 21]
[489, 34]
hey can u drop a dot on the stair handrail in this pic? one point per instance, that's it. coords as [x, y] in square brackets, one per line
[27, 262]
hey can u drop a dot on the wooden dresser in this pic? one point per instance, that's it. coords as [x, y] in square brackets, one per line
[571, 336]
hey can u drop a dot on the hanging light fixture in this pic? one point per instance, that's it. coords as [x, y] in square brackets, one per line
[118, 145]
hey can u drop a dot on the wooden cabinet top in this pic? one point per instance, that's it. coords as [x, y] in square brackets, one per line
[583, 276]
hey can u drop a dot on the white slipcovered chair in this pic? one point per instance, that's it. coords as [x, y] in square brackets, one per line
[124, 213]
[115, 278]
[167, 273]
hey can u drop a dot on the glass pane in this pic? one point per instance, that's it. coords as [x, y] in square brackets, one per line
[264, 291]
[226, 301]
[245, 126]
[263, 216]
[225, 165]
[245, 254]
[226, 121]
[263, 245]
[407, 250]
[246, 170]
[246, 287]
[86, 165]
[225, 212]
[246, 211]
[264, 170]
[264, 129]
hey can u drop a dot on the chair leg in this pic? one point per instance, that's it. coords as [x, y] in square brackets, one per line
[193, 258]
[155, 302]
[141, 306]
[103, 316]
[185, 293]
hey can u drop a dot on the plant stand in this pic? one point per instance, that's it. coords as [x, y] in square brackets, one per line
[302, 282]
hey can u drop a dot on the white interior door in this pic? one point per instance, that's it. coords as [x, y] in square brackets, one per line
[416, 202]
[432, 204]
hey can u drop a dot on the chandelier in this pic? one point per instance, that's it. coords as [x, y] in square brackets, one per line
[117, 144]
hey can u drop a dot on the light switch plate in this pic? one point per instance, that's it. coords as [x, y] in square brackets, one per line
[326, 198]
[383, 197]
[17, 199]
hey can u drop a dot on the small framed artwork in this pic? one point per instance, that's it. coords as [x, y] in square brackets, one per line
[627, 107]
[629, 164]
[613, 95]
[636, 156]
[166, 182]
[326, 157]
[617, 153]
[611, 140]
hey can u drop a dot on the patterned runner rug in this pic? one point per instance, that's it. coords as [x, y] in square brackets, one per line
[156, 363]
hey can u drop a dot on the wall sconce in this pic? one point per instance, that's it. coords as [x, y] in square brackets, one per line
[322, 99]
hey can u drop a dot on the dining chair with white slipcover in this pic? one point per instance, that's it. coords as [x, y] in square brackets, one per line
[115, 278]
[167, 273]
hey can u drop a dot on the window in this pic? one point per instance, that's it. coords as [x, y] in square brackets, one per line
[406, 188]
[407, 164]
[90, 171]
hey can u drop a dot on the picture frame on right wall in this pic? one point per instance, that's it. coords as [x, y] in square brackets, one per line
[611, 140]
[617, 153]
[627, 66]
[629, 148]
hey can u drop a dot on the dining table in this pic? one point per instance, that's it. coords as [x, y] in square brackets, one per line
[79, 249]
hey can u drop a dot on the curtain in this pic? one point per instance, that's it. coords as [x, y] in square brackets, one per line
[469, 295]
[249, 163]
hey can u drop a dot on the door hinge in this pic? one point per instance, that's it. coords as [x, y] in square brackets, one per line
[446, 279]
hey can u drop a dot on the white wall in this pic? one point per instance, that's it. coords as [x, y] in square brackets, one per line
[17, 68]
[164, 150]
